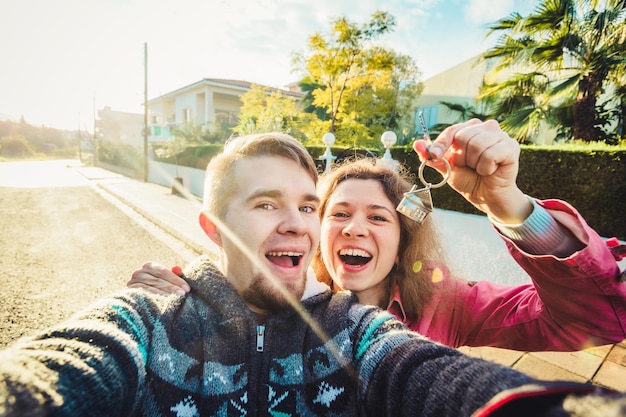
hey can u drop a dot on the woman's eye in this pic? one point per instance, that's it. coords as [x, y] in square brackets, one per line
[339, 214]
[379, 218]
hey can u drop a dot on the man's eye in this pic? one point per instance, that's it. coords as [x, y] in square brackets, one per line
[265, 206]
[308, 209]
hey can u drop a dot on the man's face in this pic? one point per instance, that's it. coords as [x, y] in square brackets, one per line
[274, 213]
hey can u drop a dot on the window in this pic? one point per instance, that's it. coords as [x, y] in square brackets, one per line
[186, 114]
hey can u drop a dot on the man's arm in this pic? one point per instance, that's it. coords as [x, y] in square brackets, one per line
[91, 365]
[404, 373]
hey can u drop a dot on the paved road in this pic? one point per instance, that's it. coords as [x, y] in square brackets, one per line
[63, 245]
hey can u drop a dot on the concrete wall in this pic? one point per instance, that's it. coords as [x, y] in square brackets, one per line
[163, 174]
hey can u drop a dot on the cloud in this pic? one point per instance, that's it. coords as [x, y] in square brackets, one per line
[486, 11]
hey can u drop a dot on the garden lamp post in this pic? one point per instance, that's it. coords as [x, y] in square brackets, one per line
[388, 139]
[329, 140]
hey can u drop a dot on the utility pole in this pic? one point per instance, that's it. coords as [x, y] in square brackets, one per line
[95, 137]
[145, 112]
[80, 153]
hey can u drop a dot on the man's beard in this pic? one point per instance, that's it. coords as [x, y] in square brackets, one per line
[263, 294]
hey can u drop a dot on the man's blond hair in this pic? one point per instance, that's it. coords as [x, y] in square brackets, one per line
[219, 185]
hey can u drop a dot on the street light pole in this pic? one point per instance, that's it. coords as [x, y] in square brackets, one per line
[95, 135]
[145, 112]
[80, 153]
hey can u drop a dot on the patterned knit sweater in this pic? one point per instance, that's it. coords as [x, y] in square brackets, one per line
[204, 355]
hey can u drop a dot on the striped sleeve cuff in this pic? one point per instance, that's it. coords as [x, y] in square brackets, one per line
[539, 234]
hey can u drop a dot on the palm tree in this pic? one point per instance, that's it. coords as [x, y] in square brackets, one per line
[566, 52]
[618, 78]
[520, 104]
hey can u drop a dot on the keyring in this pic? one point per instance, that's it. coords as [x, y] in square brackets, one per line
[418, 203]
[445, 177]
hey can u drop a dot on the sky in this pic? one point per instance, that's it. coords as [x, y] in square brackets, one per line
[61, 60]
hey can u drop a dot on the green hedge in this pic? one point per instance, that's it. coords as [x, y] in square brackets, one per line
[123, 155]
[593, 181]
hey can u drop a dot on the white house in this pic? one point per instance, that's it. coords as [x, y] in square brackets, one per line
[459, 85]
[121, 126]
[209, 103]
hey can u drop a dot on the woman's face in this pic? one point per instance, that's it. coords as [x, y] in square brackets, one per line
[360, 238]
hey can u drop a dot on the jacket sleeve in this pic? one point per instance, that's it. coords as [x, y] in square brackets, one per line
[404, 374]
[91, 365]
[573, 303]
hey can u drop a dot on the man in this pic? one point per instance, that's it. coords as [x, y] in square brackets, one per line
[240, 344]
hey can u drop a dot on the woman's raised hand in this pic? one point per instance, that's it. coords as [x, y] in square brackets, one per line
[484, 163]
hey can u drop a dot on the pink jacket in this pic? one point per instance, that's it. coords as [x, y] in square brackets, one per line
[575, 302]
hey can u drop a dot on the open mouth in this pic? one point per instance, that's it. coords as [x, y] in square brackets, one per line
[285, 259]
[356, 257]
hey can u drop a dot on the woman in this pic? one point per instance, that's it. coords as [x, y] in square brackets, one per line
[389, 260]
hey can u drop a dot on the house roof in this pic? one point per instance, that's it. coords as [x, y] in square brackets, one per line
[248, 85]
[236, 83]
[239, 84]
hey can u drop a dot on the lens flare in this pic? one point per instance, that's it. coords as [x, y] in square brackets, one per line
[437, 275]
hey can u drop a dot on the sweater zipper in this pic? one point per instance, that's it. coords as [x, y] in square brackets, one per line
[260, 334]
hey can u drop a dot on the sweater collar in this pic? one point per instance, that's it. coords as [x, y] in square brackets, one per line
[209, 284]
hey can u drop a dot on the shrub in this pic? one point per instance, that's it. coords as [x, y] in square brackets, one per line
[120, 154]
[16, 146]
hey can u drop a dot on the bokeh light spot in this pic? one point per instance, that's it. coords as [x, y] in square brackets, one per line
[437, 275]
